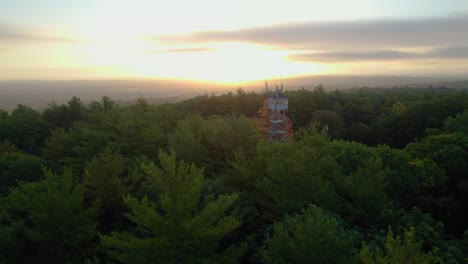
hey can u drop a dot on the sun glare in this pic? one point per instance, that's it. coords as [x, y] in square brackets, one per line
[226, 62]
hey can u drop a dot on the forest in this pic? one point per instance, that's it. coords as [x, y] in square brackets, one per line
[368, 175]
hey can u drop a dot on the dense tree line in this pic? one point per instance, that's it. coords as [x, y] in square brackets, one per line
[369, 176]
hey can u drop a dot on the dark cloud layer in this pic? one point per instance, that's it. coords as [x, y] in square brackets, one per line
[356, 35]
[458, 52]
[353, 56]
[451, 52]
[11, 33]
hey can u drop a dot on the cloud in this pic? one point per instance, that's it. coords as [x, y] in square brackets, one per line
[13, 33]
[183, 50]
[457, 52]
[358, 35]
[352, 56]
[451, 52]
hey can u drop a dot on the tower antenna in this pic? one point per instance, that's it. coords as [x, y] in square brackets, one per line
[277, 109]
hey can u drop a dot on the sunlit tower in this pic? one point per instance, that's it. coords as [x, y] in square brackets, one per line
[277, 109]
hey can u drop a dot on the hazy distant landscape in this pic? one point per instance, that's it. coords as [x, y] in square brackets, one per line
[38, 94]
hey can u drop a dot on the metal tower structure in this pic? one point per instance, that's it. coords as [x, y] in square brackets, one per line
[277, 109]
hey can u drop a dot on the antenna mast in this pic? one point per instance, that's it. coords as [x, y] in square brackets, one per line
[277, 109]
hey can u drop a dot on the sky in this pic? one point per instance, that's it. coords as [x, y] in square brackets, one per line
[231, 41]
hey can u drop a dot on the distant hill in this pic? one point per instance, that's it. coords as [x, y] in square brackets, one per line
[332, 82]
[453, 85]
[38, 94]
[347, 82]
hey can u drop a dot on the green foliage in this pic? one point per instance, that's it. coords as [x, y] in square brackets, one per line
[171, 214]
[363, 193]
[56, 115]
[186, 140]
[16, 167]
[58, 151]
[314, 236]
[431, 233]
[412, 181]
[397, 250]
[107, 104]
[211, 142]
[7, 147]
[410, 124]
[408, 181]
[75, 110]
[302, 103]
[88, 141]
[362, 182]
[181, 227]
[286, 178]
[329, 120]
[137, 131]
[64, 116]
[24, 128]
[47, 222]
[450, 152]
[350, 155]
[105, 183]
[240, 103]
[458, 124]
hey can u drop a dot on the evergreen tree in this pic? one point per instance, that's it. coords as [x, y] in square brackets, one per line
[292, 176]
[211, 142]
[16, 167]
[314, 236]
[397, 250]
[8, 147]
[46, 222]
[25, 128]
[58, 151]
[363, 193]
[105, 182]
[75, 110]
[183, 226]
[107, 103]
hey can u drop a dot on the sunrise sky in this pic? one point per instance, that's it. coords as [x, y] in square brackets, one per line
[231, 41]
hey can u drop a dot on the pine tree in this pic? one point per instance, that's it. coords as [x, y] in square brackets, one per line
[314, 236]
[363, 193]
[292, 176]
[105, 182]
[46, 222]
[397, 250]
[182, 227]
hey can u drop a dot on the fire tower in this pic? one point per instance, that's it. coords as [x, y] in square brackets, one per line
[277, 109]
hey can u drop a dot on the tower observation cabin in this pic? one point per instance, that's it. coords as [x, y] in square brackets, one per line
[277, 109]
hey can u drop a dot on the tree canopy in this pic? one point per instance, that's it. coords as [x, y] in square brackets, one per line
[367, 175]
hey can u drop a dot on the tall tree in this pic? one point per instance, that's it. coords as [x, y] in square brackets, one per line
[363, 193]
[183, 226]
[405, 249]
[46, 222]
[75, 110]
[450, 152]
[211, 142]
[285, 178]
[314, 236]
[105, 182]
[16, 167]
[26, 129]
